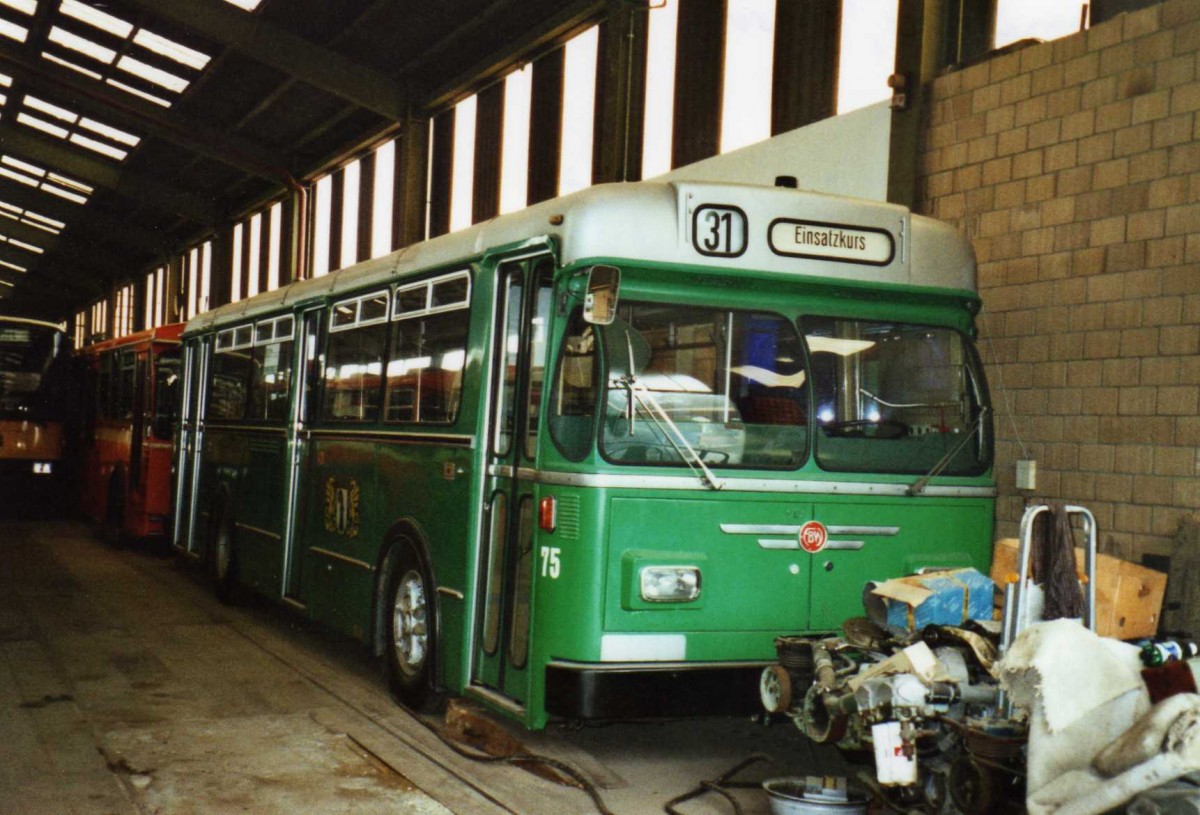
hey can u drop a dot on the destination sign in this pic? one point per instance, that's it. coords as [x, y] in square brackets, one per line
[825, 241]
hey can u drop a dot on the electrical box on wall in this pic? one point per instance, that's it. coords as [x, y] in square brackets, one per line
[1027, 474]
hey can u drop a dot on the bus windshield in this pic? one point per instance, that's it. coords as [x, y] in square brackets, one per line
[729, 385]
[895, 397]
[30, 358]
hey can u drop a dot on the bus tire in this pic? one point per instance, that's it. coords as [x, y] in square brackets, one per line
[410, 630]
[112, 527]
[222, 559]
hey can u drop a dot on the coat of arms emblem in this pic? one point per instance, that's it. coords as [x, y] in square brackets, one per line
[341, 508]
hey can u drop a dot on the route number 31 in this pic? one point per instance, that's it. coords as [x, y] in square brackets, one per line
[719, 231]
[551, 563]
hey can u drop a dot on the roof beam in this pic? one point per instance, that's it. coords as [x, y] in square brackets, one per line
[279, 48]
[61, 156]
[121, 109]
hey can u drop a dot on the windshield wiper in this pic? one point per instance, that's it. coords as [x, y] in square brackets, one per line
[683, 449]
[917, 487]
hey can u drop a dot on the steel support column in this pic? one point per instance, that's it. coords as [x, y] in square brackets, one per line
[699, 77]
[489, 137]
[805, 73]
[441, 173]
[410, 183]
[620, 94]
[545, 126]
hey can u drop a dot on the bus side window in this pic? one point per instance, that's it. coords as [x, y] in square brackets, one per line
[353, 368]
[573, 400]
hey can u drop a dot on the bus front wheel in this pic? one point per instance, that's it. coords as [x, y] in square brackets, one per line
[411, 631]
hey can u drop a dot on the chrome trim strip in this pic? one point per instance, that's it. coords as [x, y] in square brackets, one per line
[362, 564]
[786, 544]
[264, 532]
[760, 529]
[404, 437]
[778, 543]
[845, 545]
[496, 698]
[764, 485]
[885, 531]
[650, 666]
[454, 593]
[262, 430]
[294, 603]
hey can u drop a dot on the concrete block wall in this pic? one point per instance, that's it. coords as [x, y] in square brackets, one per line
[1074, 165]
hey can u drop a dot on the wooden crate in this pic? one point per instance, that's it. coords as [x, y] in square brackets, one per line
[1129, 597]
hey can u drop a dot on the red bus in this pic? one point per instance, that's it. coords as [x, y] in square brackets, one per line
[125, 455]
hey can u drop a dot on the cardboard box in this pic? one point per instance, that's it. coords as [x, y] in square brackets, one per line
[1129, 597]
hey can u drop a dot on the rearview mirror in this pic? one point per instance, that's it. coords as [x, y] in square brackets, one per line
[600, 304]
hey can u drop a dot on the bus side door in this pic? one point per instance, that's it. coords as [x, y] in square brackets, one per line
[504, 595]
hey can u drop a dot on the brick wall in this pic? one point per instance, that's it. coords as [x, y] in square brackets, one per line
[1074, 165]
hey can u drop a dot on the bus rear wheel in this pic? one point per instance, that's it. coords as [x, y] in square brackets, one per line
[411, 632]
[112, 527]
[221, 565]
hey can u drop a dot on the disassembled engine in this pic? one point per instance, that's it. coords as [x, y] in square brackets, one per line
[926, 704]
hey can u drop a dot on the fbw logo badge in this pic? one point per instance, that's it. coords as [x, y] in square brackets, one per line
[341, 508]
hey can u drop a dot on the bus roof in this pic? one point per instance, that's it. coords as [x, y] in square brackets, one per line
[168, 333]
[784, 231]
[37, 323]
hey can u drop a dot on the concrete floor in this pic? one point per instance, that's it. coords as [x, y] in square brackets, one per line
[125, 687]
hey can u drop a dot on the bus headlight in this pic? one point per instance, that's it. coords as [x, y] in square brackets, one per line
[670, 584]
[42, 467]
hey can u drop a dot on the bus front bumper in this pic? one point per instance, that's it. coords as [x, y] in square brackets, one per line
[588, 690]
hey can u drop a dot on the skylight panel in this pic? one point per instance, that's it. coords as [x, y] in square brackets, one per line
[244, 5]
[14, 267]
[42, 125]
[6, 283]
[149, 97]
[156, 76]
[83, 45]
[28, 247]
[24, 6]
[30, 219]
[67, 64]
[96, 18]
[70, 182]
[13, 31]
[23, 166]
[171, 49]
[98, 146]
[20, 178]
[51, 109]
[119, 136]
[64, 193]
[3, 100]
[5, 80]
[50, 223]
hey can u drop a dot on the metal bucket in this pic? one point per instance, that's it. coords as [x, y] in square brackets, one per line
[788, 796]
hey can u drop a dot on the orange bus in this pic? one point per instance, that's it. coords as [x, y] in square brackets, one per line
[36, 387]
[125, 455]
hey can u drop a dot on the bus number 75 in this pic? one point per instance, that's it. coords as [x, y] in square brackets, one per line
[551, 565]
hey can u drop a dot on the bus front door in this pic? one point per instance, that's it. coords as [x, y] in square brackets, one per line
[504, 597]
[307, 367]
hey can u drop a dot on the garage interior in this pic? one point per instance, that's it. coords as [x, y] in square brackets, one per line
[162, 158]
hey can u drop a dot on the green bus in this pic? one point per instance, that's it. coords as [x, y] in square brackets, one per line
[590, 459]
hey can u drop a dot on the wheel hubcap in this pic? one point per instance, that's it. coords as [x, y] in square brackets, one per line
[409, 625]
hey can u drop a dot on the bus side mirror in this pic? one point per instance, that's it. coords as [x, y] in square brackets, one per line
[600, 303]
